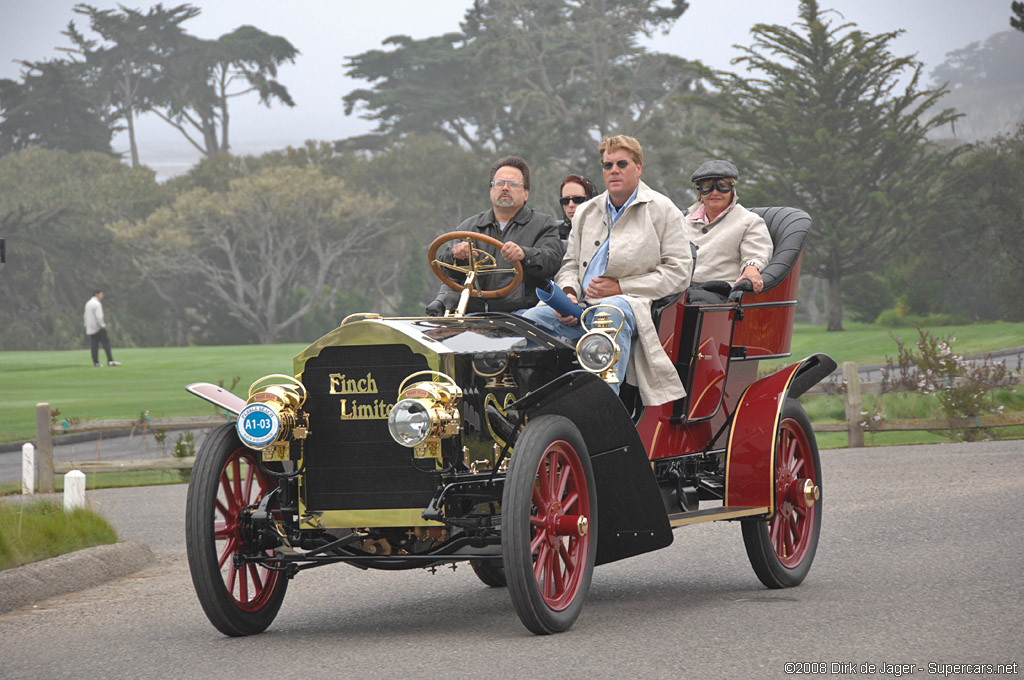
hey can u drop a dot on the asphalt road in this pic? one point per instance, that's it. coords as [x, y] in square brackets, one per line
[921, 562]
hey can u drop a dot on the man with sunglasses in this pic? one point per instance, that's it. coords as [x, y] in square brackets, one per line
[732, 243]
[626, 249]
[530, 237]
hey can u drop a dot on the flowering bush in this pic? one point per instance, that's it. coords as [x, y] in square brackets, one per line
[962, 386]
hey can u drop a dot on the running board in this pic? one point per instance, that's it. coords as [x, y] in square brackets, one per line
[681, 519]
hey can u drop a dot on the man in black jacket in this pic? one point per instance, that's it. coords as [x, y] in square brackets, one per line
[530, 237]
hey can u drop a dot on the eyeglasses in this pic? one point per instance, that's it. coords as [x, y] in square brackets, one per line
[622, 163]
[706, 186]
[578, 200]
[510, 183]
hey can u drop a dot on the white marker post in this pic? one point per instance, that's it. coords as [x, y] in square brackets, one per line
[28, 469]
[74, 490]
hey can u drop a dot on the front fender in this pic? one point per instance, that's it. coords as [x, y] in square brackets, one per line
[750, 457]
[218, 396]
[631, 516]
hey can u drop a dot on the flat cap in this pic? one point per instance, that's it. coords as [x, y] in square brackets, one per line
[715, 168]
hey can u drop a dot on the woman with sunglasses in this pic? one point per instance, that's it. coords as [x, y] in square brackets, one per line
[732, 242]
[576, 190]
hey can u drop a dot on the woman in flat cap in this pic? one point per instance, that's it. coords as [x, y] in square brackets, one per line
[732, 242]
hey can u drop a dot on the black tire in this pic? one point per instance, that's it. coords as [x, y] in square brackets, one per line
[225, 479]
[781, 549]
[535, 549]
[489, 575]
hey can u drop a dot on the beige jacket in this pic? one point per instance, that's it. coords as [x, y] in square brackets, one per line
[732, 239]
[650, 257]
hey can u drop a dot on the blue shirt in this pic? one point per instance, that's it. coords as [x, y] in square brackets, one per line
[600, 260]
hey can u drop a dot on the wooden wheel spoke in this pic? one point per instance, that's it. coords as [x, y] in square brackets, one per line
[556, 573]
[554, 472]
[227, 552]
[565, 478]
[567, 558]
[243, 585]
[230, 585]
[257, 582]
[229, 504]
[538, 496]
[538, 542]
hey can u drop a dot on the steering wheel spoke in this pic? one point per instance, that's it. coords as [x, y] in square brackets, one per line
[480, 263]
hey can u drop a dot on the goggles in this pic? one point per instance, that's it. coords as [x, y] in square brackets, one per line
[722, 184]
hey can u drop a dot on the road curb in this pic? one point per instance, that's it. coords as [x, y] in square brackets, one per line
[72, 572]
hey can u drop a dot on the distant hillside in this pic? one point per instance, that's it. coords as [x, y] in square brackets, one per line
[986, 82]
[989, 111]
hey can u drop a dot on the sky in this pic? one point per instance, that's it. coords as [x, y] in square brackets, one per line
[327, 31]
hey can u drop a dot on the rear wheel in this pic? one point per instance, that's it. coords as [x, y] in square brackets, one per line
[549, 525]
[782, 548]
[226, 482]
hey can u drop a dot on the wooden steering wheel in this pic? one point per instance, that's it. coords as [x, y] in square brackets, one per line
[480, 262]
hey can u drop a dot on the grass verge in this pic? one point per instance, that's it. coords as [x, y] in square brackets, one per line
[867, 344]
[30, 532]
[111, 480]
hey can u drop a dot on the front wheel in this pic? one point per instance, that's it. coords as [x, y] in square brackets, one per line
[489, 575]
[782, 548]
[549, 525]
[227, 481]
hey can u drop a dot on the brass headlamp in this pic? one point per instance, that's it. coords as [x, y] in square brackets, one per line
[598, 350]
[271, 416]
[427, 412]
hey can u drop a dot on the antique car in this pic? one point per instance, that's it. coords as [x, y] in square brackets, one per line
[409, 443]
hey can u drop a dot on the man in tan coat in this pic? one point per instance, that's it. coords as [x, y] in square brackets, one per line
[627, 248]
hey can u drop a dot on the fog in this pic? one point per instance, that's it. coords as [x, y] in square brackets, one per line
[328, 31]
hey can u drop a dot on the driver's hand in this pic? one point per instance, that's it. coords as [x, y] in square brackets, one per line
[568, 320]
[754, 275]
[512, 252]
[436, 308]
[460, 250]
[602, 287]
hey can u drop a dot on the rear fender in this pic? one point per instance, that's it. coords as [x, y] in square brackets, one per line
[631, 516]
[750, 457]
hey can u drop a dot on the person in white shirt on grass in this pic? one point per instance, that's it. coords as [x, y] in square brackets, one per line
[96, 329]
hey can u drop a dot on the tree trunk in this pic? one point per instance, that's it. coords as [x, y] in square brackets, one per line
[835, 304]
[130, 118]
[810, 295]
[180, 333]
[210, 138]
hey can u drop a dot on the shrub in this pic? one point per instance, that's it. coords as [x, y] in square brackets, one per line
[963, 387]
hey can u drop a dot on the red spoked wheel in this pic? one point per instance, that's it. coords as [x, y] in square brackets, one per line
[781, 549]
[227, 481]
[549, 525]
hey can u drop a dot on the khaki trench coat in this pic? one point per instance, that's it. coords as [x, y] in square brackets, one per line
[649, 255]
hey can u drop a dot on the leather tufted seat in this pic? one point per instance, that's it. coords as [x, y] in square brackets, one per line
[788, 228]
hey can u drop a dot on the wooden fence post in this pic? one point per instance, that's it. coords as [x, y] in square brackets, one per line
[44, 448]
[855, 435]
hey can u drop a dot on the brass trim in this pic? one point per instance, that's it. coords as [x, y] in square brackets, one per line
[654, 439]
[696, 402]
[713, 515]
[393, 517]
[369, 331]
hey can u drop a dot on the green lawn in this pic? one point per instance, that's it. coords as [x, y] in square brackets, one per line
[866, 344]
[151, 379]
